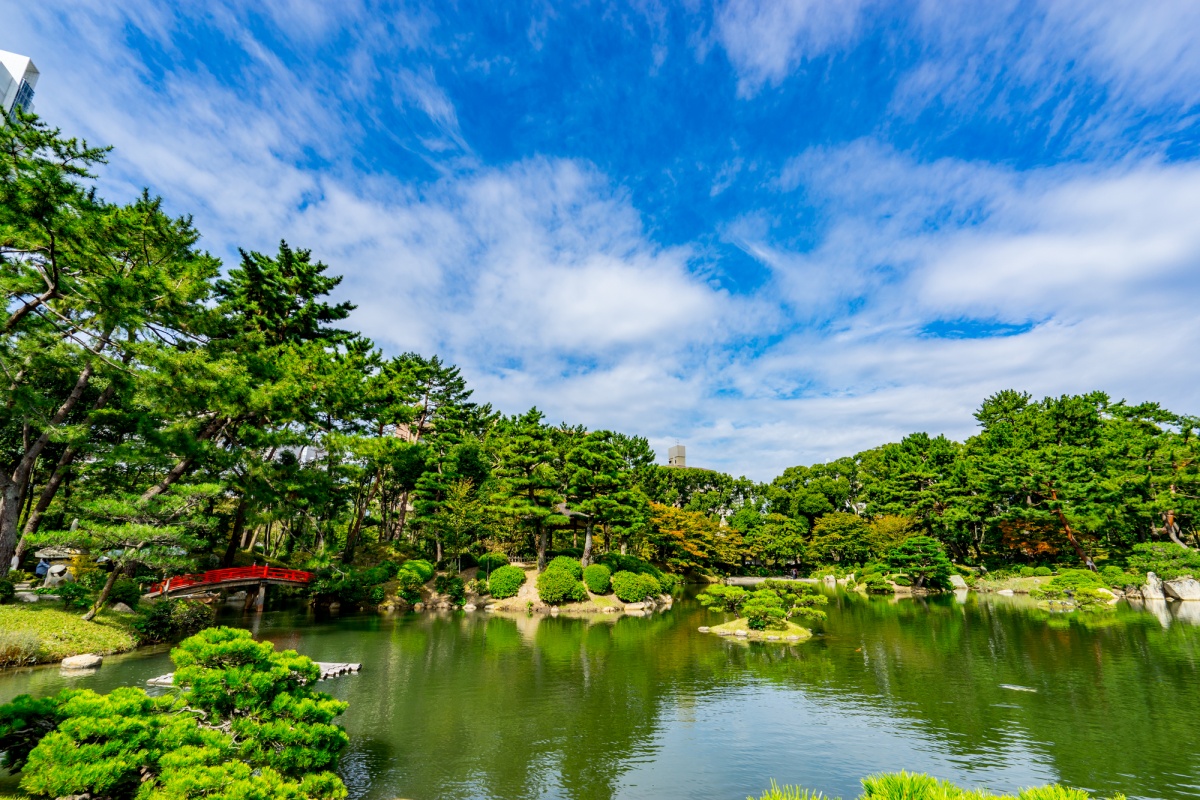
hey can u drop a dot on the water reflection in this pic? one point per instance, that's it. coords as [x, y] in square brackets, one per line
[514, 706]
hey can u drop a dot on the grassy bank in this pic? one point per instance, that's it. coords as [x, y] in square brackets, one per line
[42, 634]
[743, 625]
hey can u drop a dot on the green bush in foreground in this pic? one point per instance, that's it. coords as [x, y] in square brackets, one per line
[598, 578]
[245, 725]
[556, 586]
[567, 563]
[918, 786]
[506, 582]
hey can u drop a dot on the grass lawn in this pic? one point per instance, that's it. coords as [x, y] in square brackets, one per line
[1018, 585]
[61, 633]
[741, 625]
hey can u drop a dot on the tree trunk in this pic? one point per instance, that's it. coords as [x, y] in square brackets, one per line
[542, 543]
[587, 544]
[352, 535]
[180, 469]
[235, 536]
[1172, 529]
[1079, 551]
[104, 593]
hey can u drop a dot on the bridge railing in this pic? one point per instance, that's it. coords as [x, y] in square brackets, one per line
[218, 576]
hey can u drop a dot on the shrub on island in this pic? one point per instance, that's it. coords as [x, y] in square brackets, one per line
[506, 581]
[598, 578]
[631, 587]
[1043, 572]
[420, 567]
[556, 586]
[490, 562]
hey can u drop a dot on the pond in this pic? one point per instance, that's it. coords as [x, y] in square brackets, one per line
[985, 691]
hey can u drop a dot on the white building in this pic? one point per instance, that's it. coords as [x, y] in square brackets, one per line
[677, 456]
[18, 79]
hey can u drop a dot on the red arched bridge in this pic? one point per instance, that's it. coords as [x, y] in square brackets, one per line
[226, 579]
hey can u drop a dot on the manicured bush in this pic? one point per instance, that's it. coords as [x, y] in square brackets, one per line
[73, 595]
[421, 567]
[451, 586]
[598, 578]
[1118, 578]
[7, 591]
[408, 585]
[764, 609]
[1027, 572]
[506, 581]
[567, 563]
[557, 586]
[1043, 572]
[170, 620]
[489, 563]
[923, 558]
[902, 580]
[126, 591]
[668, 583]
[631, 587]
[1167, 560]
[877, 584]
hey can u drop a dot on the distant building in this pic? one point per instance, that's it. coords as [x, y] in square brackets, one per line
[18, 79]
[677, 456]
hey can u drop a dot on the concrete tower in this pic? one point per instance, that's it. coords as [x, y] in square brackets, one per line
[677, 456]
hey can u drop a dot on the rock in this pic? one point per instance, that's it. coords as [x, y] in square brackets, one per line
[1133, 593]
[609, 610]
[772, 638]
[634, 606]
[1152, 589]
[722, 633]
[418, 607]
[740, 633]
[1005, 592]
[85, 661]
[469, 607]
[793, 638]
[830, 580]
[704, 629]
[26, 597]
[957, 582]
[1182, 588]
[121, 608]
[335, 606]
[554, 611]
[490, 607]
[1112, 596]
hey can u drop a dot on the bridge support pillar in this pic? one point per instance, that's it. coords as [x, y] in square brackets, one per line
[261, 600]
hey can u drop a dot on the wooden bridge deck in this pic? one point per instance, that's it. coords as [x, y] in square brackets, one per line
[329, 669]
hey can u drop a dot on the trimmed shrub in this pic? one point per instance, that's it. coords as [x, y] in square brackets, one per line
[126, 591]
[451, 586]
[1118, 578]
[1042, 572]
[408, 585]
[567, 563]
[877, 584]
[723, 598]
[902, 580]
[506, 581]
[668, 582]
[1167, 560]
[598, 578]
[557, 586]
[764, 610]
[170, 620]
[7, 591]
[421, 567]
[490, 562]
[73, 595]
[1027, 572]
[631, 587]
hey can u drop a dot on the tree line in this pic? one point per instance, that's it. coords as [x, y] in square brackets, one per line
[173, 413]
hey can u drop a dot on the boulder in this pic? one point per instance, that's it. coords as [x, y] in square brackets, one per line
[1005, 592]
[469, 607]
[793, 638]
[26, 597]
[634, 606]
[831, 580]
[609, 610]
[490, 607]
[740, 633]
[85, 661]
[418, 607]
[704, 629]
[554, 611]
[1109, 594]
[772, 638]
[121, 608]
[957, 582]
[1152, 589]
[722, 633]
[1187, 588]
[1133, 592]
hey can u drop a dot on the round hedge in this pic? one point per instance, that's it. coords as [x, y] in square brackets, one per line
[490, 562]
[421, 567]
[1043, 572]
[598, 578]
[631, 587]
[506, 581]
[567, 563]
[557, 586]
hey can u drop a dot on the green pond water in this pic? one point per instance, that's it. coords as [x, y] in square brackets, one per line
[985, 691]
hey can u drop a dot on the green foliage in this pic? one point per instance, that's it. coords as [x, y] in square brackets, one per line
[1118, 578]
[1028, 572]
[489, 563]
[246, 726]
[567, 563]
[73, 595]
[7, 591]
[902, 580]
[506, 581]
[169, 620]
[126, 591]
[877, 584]
[598, 578]
[408, 585]
[1167, 560]
[631, 587]
[420, 567]
[352, 586]
[557, 586]
[1041, 572]
[722, 597]
[18, 648]
[451, 586]
[764, 609]
[777, 792]
[924, 559]
[918, 786]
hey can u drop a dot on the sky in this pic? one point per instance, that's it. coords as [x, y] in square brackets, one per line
[777, 232]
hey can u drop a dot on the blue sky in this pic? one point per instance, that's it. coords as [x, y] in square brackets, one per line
[778, 232]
